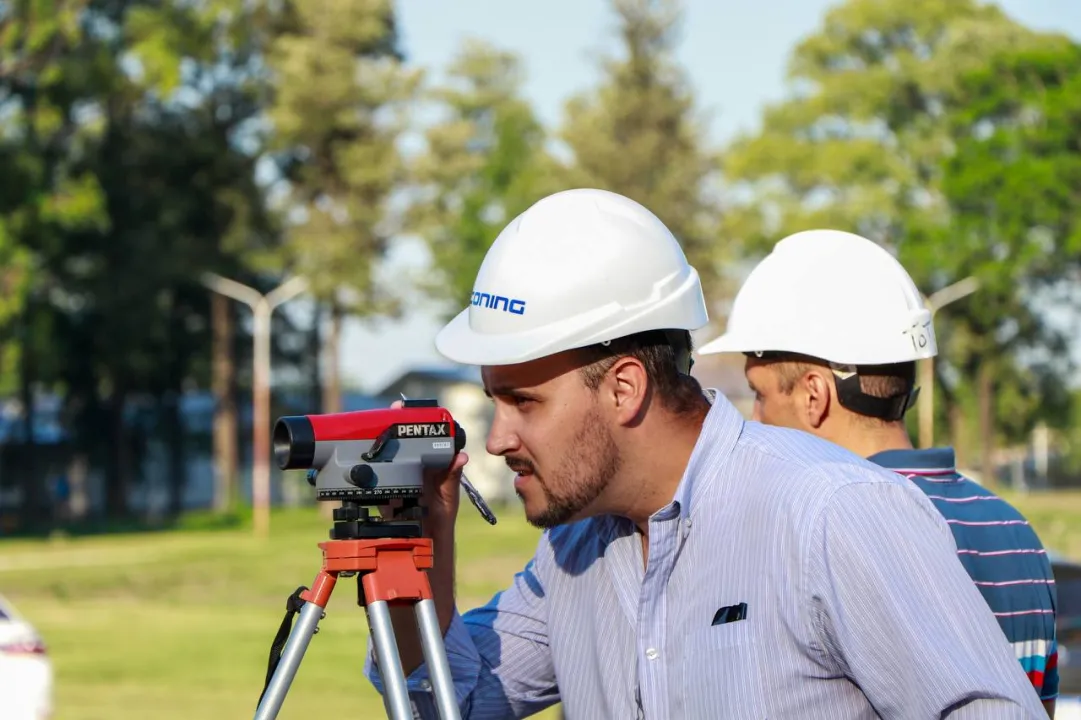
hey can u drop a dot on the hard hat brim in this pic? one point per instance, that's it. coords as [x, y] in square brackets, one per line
[459, 343]
[733, 343]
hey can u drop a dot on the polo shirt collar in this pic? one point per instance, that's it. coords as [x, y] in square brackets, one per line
[927, 460]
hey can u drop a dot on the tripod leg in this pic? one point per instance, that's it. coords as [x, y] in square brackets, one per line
[431, 640]
[301, 635]
[390, 663]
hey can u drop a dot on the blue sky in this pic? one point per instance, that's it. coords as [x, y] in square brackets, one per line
[734, 52]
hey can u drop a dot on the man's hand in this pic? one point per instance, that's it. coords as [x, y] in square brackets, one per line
[440, 498]
[441, 495]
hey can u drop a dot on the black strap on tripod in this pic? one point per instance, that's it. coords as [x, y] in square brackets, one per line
[292, 607]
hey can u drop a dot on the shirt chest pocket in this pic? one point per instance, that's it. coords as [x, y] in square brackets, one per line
[721, 673]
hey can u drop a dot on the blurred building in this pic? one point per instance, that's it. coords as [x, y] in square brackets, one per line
[724, 373]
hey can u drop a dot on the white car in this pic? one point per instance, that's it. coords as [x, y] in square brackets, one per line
[26, 673]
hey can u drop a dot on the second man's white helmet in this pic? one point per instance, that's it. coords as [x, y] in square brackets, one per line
[578, 267]
[831, 295]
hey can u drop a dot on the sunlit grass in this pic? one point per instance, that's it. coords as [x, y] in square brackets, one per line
[178, 624]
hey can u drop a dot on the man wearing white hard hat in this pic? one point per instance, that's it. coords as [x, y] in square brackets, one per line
[693, 565]
[832, 326]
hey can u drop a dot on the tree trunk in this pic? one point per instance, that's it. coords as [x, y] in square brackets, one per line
[32, 483]
[315, 358]
[78, 470]
[957, 435]
[117, 459]
[178, 480]
[223, 384]
[332, 392]
[985, 390]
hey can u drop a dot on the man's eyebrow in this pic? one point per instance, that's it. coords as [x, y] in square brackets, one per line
[505, 391]
[495, 390]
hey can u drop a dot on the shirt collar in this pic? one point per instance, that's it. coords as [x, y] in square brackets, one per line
[928, 460]
[720, 431]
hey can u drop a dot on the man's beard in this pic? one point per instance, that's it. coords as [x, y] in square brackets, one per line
[580, 478]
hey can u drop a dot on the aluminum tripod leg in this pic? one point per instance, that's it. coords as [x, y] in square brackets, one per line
[395, 689]
[435, 656]
[301, 635]
[395, 692]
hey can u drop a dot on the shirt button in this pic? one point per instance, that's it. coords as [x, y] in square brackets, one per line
[425, 685]
[652, 654]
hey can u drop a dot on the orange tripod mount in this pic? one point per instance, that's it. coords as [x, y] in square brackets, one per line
[391, 570]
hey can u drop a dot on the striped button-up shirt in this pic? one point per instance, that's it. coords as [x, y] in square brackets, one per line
[787, 578]
[1000, 551]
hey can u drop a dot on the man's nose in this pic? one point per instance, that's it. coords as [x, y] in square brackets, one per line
[501, 439]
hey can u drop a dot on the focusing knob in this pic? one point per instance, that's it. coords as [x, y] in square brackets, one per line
[311, 476]
[362, 476]
[459, 437]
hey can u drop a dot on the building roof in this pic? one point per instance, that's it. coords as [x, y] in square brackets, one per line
[433, 373]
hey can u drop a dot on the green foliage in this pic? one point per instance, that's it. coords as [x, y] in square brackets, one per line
[858, 143]
[484, 164]
[120, 130]
[340, 93]
[638, 134]
[884, 134]
[1011, 184]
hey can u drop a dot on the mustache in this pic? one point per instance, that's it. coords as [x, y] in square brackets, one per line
[521, 465]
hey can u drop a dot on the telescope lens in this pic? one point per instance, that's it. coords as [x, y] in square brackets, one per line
[294, 442]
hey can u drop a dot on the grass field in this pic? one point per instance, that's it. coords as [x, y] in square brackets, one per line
[178, 624]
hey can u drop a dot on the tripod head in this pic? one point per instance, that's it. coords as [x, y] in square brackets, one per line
[352, 521]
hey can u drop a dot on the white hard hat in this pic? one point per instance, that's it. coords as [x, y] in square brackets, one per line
[578, 267]
[831, 295]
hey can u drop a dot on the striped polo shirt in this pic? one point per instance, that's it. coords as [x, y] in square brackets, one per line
[1001, 552]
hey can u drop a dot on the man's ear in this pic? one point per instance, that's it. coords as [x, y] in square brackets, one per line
[627, 388]
[818, 397]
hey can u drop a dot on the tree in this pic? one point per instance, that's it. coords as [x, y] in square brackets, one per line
[46, 73]
[638, 134]
[863, 144]
[340, 94]
[161, 143]
[860, 141]
[1012, 185]
[484, 164]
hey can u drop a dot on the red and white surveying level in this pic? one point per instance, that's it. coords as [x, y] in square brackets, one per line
[367, 459]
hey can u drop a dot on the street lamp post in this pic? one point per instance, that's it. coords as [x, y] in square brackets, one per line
[936, 302]
[262, 307]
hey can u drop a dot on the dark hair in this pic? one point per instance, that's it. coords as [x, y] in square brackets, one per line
[666, 356]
